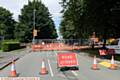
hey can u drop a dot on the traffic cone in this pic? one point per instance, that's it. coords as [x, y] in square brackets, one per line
[94, 66]
[13, 72]
[113, 65]
[43, 69]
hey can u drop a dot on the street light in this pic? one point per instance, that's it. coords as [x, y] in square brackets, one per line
[33, 41]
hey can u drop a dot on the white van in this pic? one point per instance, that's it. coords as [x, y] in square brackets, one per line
[115, 45]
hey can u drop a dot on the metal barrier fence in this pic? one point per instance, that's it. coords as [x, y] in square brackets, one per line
[77, 42]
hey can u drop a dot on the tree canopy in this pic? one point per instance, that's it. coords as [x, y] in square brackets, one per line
[7, 24]
[83, 17]
[43, 22]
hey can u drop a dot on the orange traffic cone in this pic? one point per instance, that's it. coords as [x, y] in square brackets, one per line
[13, 72]
[43, 69]
[113, 65]
[94, 66]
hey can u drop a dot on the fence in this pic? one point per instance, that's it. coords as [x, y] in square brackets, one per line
[77, 42]
[60, 44]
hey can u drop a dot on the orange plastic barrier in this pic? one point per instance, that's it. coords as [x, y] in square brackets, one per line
[53, 46]
[36, 47]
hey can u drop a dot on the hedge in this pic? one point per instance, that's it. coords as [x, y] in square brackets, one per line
[0, 44]
[10, 45]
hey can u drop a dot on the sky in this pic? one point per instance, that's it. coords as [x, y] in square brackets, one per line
[15, 7]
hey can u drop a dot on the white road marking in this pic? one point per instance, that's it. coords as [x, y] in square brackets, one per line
[50, 68]
[74, 73]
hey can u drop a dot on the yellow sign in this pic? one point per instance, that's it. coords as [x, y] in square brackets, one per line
[34, 32]
[105, 63]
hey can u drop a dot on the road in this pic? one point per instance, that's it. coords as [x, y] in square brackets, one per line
[30, 66]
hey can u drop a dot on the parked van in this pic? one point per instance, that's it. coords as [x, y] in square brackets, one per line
[115, 45]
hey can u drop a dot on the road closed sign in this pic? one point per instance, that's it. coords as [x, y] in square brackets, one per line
[67, 59]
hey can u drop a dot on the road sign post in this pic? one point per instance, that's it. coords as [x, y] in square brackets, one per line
[34, 34]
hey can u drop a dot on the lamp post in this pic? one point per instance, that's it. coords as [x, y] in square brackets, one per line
[33, 41]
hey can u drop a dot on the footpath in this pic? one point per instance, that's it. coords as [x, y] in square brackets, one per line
[7, 57]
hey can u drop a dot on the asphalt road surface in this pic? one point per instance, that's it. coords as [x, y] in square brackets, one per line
[30, 66]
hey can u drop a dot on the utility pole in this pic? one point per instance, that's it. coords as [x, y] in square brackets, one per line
[33, 41]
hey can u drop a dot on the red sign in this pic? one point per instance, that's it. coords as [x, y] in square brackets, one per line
[111, 51]
[102, 52]
[67, 59]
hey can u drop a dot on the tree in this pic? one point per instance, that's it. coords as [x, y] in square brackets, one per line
[88, 16]
[73, 12]
[100, 17]
[7, 24]
[43, 22]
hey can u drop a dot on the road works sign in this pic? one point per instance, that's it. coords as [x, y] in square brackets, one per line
[67, 59]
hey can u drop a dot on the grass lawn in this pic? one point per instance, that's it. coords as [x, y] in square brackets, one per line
[95, 51]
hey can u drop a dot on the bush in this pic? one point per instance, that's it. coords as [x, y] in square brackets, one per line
[0, 44]
[9, 45]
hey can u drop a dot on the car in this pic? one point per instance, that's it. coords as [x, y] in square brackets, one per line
[115, 45]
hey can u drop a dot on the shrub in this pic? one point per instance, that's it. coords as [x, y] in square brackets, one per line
[9, 45]
[0, 44]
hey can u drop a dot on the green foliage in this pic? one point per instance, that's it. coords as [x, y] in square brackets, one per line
[0, 44]
[6, 24]
[88, 16]
[73, 17]
[100, 17]
[43, 22]
[9, 45]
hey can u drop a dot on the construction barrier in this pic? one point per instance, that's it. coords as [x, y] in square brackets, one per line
[36, 47]
[53, 46]
[59, 44]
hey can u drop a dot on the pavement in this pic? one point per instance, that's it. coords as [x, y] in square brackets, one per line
[7, 57]
[29, 65]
